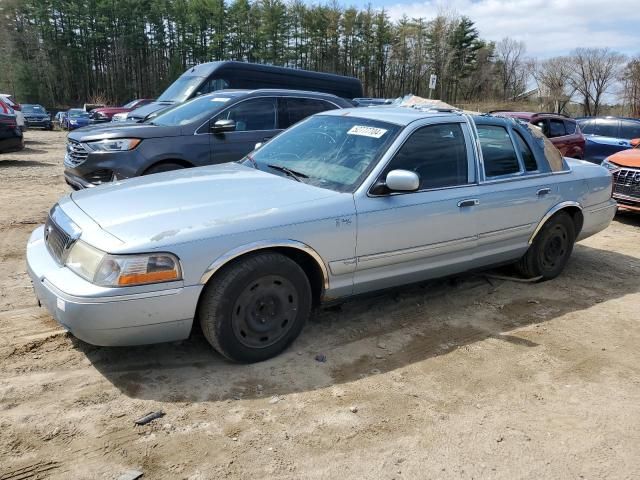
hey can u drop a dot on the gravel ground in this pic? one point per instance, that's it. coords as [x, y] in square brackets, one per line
[464, 378]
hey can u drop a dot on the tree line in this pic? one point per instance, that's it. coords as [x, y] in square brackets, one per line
[66, 52]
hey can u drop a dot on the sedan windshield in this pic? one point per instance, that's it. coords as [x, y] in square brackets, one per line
[326, 151]
[198, 109]
[78, 114]
[33, 109]
[181, 89]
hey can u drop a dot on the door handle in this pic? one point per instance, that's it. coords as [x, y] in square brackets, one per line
[543, 191]
[469, 202]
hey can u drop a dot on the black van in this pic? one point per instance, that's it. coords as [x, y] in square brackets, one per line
[209, 77]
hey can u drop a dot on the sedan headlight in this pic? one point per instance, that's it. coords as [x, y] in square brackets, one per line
[107, 270]
[114, 145]
[609, 165]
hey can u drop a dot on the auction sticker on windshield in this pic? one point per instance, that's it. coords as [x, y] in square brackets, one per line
[364, 131]
[220, 99]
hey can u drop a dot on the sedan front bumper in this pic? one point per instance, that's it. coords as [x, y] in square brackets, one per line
[109, 316]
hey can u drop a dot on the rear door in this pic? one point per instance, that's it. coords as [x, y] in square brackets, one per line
[603, 139]
[256, 121]
[513, 196]
[558, 135]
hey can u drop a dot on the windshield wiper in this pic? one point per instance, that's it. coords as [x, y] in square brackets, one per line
[292, 173]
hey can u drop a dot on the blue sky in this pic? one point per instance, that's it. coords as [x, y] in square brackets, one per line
[548, 27]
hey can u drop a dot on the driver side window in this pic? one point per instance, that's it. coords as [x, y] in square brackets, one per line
[437, 153]
[255, 114]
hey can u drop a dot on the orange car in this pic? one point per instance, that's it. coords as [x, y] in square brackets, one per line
[625, 168]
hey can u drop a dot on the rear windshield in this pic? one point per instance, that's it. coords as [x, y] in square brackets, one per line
[78, 113]
[198, 109]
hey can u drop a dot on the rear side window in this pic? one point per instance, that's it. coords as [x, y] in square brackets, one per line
[296, 109]
[629, 130]
[254, 114]
[606, 128]
[570, 126]
[498, 153]
[437, 153]
[525, 152]
[556, 128]
[543, 125]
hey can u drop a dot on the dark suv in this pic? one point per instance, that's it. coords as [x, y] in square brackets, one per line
[220, 127]
[608, 135]
[562, 130]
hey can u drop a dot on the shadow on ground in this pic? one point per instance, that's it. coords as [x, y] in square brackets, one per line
[23, 163]
[419, 322]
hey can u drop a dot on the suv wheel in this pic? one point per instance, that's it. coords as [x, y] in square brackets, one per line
[253, 309]
[550, 250]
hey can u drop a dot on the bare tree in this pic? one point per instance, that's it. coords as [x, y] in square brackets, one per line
[512, 67]
[553, 77]
[631, 86]
[594, 70]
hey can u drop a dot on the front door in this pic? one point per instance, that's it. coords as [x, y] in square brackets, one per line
[256, 122]
[406, 237]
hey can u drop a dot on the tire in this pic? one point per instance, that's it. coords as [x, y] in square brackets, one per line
[550, 250]
[163, 167]
[256, 307]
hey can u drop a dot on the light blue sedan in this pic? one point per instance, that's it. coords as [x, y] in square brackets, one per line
[345, 202]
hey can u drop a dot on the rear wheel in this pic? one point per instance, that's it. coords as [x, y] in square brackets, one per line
[550, 250]
[164, 167]
[253, 309]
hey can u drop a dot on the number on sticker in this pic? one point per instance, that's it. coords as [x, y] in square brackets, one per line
[365, 131]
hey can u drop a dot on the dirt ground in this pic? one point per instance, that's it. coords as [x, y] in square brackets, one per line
[464, 378]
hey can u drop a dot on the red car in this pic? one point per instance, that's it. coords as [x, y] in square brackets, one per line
[105, 114]
[562, 130]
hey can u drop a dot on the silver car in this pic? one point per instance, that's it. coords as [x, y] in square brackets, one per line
[345, 202]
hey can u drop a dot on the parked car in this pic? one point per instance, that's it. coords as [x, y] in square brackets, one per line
[214, 76]
[74, 118]
[36, 116]
[625, 168]
[345, 202]
[11, 137]
[562, 130]
[105, 114]
[607, 135]
[58, 118]
[17, 108]
[214, 128]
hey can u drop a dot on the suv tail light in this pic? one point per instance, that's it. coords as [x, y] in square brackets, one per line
[17, 106]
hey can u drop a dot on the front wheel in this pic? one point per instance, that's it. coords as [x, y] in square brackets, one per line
[254, 308]
[550, 250]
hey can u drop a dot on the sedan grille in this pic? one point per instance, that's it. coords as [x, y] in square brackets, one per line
[626, 181]
[58, 239]
[76, 154]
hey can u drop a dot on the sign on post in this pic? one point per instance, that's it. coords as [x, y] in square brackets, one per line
[432, 81]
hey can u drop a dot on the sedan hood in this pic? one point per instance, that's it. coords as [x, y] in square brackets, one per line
[123, 130]
[627, 158]
[196, 203]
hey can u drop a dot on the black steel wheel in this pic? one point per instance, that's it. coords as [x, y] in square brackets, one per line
[255, 307]
[550, 250]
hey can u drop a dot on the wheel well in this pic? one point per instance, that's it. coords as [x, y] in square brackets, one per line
[576, 215]
[184, 163]
[309, 266]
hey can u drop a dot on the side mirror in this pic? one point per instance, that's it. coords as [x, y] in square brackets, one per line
[222, 126]
[258, 145]
[402, 181]
[635, 142]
